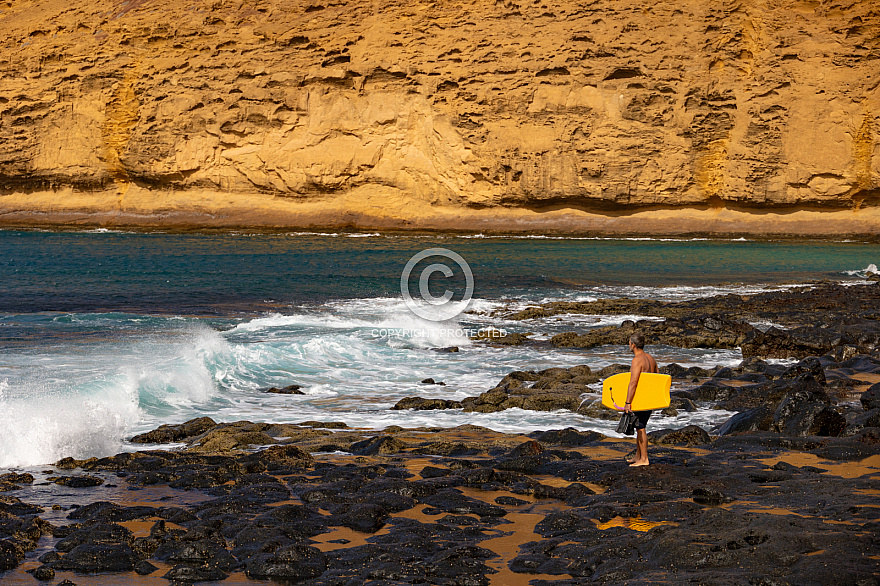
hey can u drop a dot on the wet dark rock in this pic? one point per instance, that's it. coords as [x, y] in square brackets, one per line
[205, 552]
[862, 363]
[807, 341]
[509, 339]
[20, 478]
[324, 424]
[91, 558]
[293, 562]
[434, 472]
[288, 390]
[430, 381]
[695, 331]
[389, 501]
[757, 419]
[682, 404]
[15, 506]
[220, 507]
[71, 463]
[725, 372]
[865, 420]
[95, 534]
[691, 435]
[510, 501]
[447, 448]
[568, 437]
[298, 519]
[144, 568]
[187, 573]
[847, 449]
[365, 517]
[43, 573]
[462, 564]
[49, 557]
[772, 393]
[79, 481]
[526, 449]
[453, 501]
[807, 411]
[385, 444]
[421, 404]
[712, 390]
[708, 496]
[447, 349]
[677, 371]
[174, 433]
[548, 390]
[271, 492]
[562, 523]
[201, 479]
[870, 398]
[254, 539]
[10, 555]
[810, 365]
[284, 456]
[97, 511]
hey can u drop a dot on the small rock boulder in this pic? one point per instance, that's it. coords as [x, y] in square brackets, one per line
[870, 399]
[174, 433]
[288, 390]
[79, 481]
[809, 365]
[757, 419]
[384, 444]
[291, 562]
[420, 404]
[691, 435]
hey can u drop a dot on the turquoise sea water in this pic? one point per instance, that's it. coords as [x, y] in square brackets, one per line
[105, 334]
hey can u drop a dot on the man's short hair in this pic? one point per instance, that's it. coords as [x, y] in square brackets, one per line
[637, 340]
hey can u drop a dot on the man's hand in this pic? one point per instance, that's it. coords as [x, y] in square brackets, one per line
[627, 408]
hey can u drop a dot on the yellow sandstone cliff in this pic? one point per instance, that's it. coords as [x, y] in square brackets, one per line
[758, 116]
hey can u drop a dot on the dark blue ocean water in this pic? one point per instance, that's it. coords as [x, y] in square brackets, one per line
[105, 334]
[217, 274]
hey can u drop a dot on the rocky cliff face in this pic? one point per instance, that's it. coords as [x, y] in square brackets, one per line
[289, 111]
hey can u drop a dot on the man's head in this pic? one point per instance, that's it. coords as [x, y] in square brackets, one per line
[637, 340]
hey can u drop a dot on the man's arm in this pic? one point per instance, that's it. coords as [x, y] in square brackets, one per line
[635, 370]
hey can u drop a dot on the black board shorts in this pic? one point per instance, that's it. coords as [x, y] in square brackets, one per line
[642, 418]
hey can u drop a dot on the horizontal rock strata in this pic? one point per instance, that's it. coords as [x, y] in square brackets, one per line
[511, 116]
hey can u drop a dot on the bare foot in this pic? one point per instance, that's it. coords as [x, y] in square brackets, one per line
[639, 463]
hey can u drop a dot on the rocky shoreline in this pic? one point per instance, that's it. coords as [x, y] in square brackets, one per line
[452, 506]
[783, 492]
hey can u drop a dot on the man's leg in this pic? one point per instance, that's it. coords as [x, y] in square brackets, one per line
[641, 449]
[641, 440]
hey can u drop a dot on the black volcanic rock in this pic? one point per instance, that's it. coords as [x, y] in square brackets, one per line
[870, 398]
[421, 404]
[288, 390]
[174, 433]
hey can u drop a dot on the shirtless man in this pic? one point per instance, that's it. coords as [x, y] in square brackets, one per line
[641, 362]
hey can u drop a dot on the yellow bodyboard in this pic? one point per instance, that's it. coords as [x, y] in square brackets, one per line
[652, 392]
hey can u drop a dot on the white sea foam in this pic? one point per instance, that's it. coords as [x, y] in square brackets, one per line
[863, 273]
[84, 404]
[85, 400]
[385, 318]
[44, 428]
